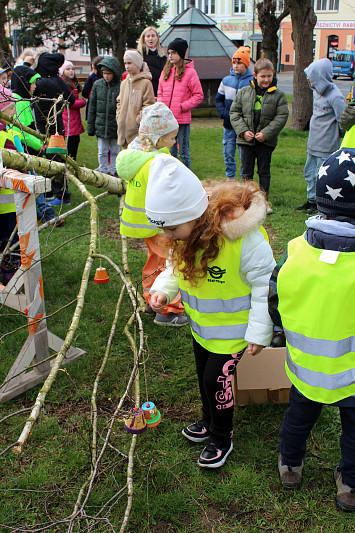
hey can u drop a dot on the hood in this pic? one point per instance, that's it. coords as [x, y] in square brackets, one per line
[144, 75]
[320, 74]
[189, 63]
[49, 64]
[129, 161]
[251, 219]
[20, 80]
[247, 74]
[112, 64]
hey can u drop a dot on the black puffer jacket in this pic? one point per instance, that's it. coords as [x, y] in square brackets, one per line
[155, 64]
[102, 107]
[50, 86]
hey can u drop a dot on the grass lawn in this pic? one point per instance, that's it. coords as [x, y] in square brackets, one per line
[171, 493]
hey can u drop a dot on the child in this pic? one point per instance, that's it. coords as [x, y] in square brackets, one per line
[258, 114]
[221, 261]
[316, 293]
[240, 76]
[102, 113]
[136, 93]
[157, 132]
[324, 133]
[3, 76]
[95, 75]
[180, 89]
[67, 72]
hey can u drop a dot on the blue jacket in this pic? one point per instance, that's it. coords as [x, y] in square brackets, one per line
[227, 90]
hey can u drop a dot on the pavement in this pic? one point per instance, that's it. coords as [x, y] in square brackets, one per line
[285, 83]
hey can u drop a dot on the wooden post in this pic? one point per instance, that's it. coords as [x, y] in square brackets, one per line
[24, 291]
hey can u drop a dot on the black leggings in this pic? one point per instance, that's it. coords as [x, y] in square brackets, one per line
[215, 373]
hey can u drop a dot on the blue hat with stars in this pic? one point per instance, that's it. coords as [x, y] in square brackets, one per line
[335, 187]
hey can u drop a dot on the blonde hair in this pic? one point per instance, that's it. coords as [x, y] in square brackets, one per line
[263, 64]
[147, 144]
[142, 48]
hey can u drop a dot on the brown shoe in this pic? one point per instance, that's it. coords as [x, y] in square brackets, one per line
[345, 495]
[291, 476]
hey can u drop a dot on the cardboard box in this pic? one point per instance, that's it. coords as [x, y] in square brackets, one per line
[262, 378]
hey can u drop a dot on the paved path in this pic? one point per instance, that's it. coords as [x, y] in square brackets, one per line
[285, 83]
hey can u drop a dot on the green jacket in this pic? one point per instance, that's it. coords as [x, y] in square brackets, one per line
[274, 114]
[24, 116]
[102, 106]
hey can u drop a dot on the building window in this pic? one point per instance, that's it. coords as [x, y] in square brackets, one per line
[327, 5]
[239, 6]
[210, 6]
[287, 58]
[180, 6]
[85, 50]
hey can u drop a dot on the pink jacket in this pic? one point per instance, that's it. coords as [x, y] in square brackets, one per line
[181, 96]
[75, 125]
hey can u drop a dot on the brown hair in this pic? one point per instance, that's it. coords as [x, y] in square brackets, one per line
[180, 69]
[142, 48]
[263, 64]
[227, 201]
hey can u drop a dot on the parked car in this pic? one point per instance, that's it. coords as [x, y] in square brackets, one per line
[343, 64]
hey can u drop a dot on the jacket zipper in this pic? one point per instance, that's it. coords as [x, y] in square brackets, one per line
[107, 104]
[172, 90]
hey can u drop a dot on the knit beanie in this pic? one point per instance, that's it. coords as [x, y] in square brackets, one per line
[6, 98]
[335, 186]
[65, 65]
[243, 54]
[179, 45]
[157, 120]
[135, 57]
[174, 194]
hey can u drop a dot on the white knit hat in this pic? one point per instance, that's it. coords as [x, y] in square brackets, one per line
[65, 65]
[135, 57]
[157, 121]
[174, 194]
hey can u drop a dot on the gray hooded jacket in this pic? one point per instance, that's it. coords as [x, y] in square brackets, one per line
[328, 104]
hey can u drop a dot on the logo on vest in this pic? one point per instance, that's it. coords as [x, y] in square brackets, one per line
[136, 183]
[216, 274]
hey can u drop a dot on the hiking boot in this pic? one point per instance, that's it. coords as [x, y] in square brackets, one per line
[311, 207]
[170, 320]
[197, 432]
[345, 495]
[291, 476]
[59, 201]
[215, 453]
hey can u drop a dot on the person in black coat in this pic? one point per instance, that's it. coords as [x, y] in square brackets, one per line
[95, 75]
[153, 54]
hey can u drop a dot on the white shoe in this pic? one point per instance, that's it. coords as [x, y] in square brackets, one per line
[269, 211]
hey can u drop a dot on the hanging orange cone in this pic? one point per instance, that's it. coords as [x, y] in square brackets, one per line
[101, 275]
[136, 424]
[57, 145]
[151, 414]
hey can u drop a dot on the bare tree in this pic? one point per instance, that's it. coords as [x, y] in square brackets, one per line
[5, 51]
[269, 23]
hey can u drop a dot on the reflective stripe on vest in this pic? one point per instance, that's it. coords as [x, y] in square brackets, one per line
[219, 322]
[316, 303]
[7, 201]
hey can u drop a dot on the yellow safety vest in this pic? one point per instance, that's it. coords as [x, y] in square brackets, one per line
[218, 307]
[316, 303]
[349, 138]
[7, 199]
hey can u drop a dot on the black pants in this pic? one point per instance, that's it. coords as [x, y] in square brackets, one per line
[262, 154]
[215, 373]
[73, 145]
[59, 186]
[298, 422]
[7, 226]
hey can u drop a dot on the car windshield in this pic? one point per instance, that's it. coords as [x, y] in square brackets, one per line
[342, 57]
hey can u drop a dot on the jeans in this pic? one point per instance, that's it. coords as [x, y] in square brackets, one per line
[298, 422]
[310, 171]
[182, 140]
[262, 154]
[104, 147]
[229, 149]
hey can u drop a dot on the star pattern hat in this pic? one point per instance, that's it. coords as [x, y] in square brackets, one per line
[335, 187]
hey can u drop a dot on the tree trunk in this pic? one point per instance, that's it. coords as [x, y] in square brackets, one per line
[90, 29]
[269, 24]
[5, 50]
[303, 22]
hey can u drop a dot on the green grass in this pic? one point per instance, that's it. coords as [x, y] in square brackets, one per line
[172, 494]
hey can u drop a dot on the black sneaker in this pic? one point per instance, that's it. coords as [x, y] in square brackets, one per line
[215, 453]
[170, 320]
[197, 432]
[308, 206]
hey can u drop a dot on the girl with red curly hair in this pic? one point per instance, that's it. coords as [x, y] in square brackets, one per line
[221, 262]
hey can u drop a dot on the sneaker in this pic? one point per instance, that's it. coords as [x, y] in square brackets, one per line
[269, 211]
[59, 201]
[291, 476]
[215, 453]
[149, 310]
[197, 432]
[308, 206]
[230, 179]
[170, 320]
[345, 495]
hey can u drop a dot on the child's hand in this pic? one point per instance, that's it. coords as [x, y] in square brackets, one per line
[254, 349]
[260, 137]
[158, 301]
[248, 135]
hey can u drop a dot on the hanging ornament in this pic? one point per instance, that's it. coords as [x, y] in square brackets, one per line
[101, 276]
[151, 414]
[57, 145]
[136, 423]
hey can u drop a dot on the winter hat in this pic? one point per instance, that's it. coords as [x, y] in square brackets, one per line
[243, 54]
[157, 120]
[335, 186]
[135, 57]
[179, 45]
[6, 98]
[65, 65]
[174, 194]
